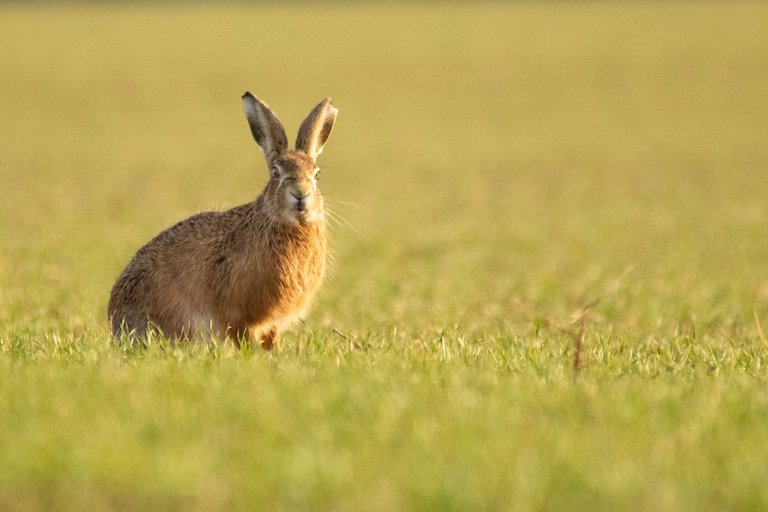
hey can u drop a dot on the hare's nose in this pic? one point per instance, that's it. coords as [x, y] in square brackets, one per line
[301, 198]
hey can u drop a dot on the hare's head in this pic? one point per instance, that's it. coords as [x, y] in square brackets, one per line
[292, 194]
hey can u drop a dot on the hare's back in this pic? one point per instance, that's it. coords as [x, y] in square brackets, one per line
[189, 245]
[202, 228]
[178, 257]
[168, 280]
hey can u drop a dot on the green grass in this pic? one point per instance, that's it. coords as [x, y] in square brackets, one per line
[516, 177]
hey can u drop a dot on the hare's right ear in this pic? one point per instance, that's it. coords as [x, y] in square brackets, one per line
[265, 127]
[316, 128]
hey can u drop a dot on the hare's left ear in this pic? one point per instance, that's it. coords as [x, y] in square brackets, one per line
[265, 127]
[316, 128]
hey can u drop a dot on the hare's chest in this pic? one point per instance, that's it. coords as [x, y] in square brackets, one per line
[293, 275]
[298, 282]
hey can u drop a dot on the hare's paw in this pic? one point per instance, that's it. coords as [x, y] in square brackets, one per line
[268, 339]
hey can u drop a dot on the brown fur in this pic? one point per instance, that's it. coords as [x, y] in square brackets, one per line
[241, 273]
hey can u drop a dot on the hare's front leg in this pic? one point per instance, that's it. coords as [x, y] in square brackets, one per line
[267, 338]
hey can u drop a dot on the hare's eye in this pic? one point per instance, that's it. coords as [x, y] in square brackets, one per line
[275, 172]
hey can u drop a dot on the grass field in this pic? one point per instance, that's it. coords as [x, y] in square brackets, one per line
[514, 179]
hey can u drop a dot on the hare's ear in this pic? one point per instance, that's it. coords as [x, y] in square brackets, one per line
[265, 127]
[316, 128]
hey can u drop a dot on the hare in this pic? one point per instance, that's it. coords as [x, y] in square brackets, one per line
[243, 273]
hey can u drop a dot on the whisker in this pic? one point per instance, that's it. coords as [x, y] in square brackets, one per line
[339, 219]
[346, 203]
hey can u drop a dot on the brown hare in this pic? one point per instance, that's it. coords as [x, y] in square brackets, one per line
[243, 273]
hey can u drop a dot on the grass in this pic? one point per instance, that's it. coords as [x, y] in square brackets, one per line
[517, 178]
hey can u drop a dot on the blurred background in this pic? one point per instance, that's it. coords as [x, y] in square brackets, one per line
[492, 163]
[508, 182]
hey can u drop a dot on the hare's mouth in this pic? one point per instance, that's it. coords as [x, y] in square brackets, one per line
[301, 210]
[298, 210]
[299, 202]
[293, 214]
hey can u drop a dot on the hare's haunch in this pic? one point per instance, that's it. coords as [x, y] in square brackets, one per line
[244, 272]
